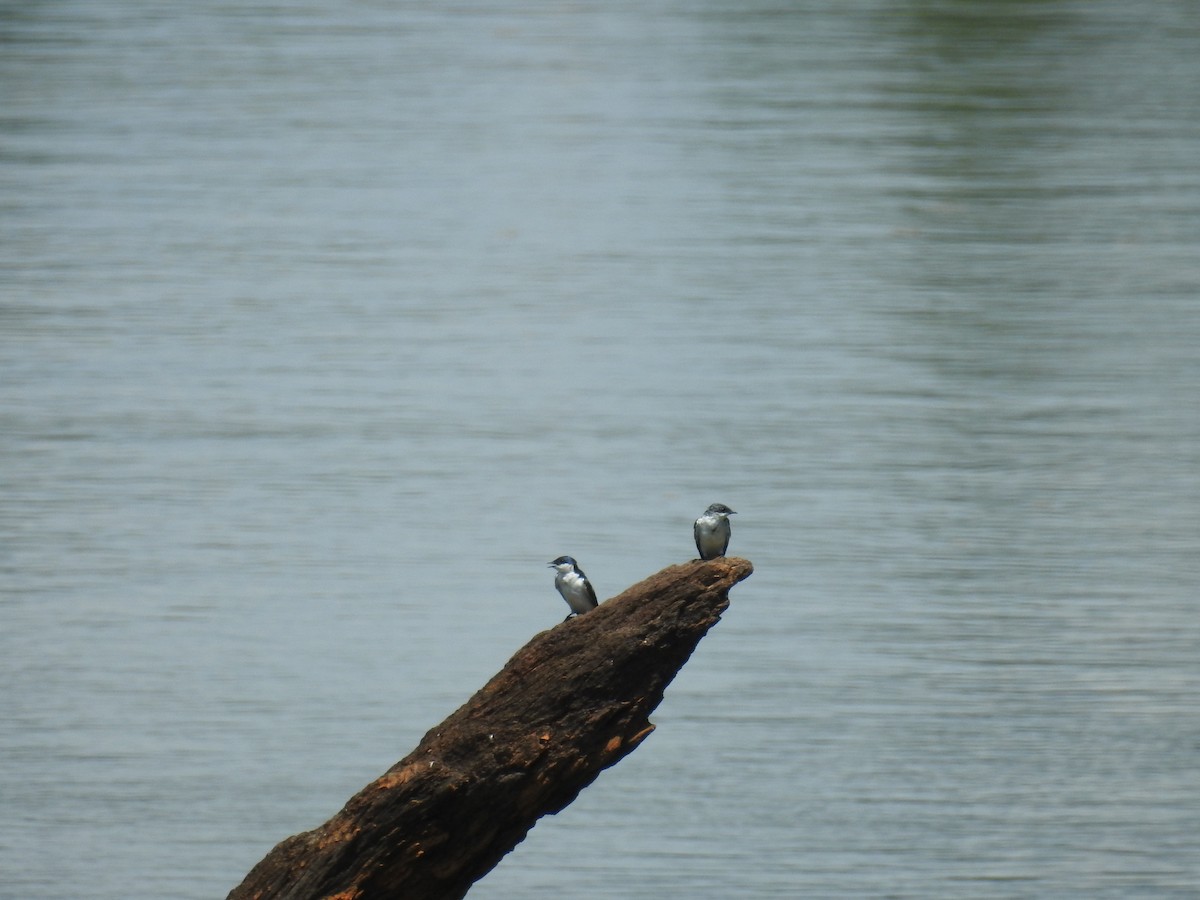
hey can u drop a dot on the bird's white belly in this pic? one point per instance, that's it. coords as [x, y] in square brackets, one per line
[574, 591]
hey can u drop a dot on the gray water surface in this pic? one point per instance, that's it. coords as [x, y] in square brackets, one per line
[323, 327]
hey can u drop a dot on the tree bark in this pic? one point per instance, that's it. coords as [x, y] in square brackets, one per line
[570, 703]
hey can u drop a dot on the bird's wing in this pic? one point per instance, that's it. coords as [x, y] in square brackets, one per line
[591, 593]
[696, 535]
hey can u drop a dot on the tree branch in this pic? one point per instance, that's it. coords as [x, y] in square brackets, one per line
[570, 703]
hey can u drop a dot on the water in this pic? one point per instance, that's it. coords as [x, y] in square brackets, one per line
[324, 327]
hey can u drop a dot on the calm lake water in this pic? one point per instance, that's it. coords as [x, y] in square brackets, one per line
[323, 327]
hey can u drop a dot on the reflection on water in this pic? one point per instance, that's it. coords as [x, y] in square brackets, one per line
[323, 328]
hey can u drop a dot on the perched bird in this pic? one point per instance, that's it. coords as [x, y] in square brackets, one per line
[573, 585]
[712, 531]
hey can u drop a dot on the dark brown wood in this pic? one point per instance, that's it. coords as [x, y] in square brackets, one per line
[570, 703]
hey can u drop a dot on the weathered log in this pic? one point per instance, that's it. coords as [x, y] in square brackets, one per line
[570, 703]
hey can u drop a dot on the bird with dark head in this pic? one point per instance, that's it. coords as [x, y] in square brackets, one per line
[573, 585]
[712, 531]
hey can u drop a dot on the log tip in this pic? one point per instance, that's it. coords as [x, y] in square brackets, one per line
[739, 569]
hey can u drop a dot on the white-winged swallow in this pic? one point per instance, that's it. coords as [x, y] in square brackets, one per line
[712, 531]
[573, 585]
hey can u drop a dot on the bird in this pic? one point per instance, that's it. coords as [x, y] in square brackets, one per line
[574, 586]
[712, 531]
